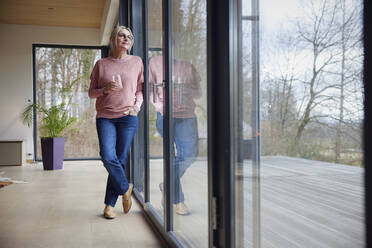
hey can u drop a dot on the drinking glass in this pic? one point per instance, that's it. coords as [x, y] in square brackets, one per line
[117, 78]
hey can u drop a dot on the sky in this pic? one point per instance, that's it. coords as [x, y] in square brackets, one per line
[273, 13]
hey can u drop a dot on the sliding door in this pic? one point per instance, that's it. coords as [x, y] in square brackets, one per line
[189, 122]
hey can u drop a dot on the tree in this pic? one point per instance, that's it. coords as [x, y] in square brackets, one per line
[317, 34]
[350, 48]
[312, 79]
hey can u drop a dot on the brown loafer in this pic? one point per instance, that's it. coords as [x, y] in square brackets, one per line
[182, 209]
[108, 212]
[127, 201]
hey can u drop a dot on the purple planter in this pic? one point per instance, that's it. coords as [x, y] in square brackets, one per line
[52, 150]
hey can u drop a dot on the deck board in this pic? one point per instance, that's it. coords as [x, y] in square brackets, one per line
[304, 203]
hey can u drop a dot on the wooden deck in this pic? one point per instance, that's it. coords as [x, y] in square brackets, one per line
[311, 204]
[304, 203]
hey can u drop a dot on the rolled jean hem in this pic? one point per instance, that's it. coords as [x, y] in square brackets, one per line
[112, 205]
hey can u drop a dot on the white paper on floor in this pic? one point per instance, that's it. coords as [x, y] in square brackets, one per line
[7, 179]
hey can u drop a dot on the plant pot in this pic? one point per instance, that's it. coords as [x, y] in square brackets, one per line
[52, 151]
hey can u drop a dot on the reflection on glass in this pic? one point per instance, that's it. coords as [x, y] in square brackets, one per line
[186, 81]
[156, 141]
[190, 122]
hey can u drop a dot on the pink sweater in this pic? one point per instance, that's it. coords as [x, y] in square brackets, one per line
[186, 87]
[117, 104]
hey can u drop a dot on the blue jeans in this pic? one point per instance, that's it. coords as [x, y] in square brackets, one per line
[186, 145]
[115, 137]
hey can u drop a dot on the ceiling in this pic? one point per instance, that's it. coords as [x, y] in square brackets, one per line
[67, 13]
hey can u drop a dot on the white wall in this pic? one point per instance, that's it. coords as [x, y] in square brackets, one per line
[16, 86]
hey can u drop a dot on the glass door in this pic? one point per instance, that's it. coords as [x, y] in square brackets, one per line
[189, 122]
[247, 132]
[156, 105]
[312, 171]
[177, 119]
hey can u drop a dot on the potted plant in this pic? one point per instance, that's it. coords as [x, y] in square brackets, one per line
[55, 121]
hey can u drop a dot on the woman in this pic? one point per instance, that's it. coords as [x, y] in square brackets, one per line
[116, 83]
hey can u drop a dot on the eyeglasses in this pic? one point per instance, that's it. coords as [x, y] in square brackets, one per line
[125, 36]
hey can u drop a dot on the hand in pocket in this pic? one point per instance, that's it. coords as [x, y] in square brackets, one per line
[131, 111]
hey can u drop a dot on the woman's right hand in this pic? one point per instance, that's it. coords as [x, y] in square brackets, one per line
[111, 87]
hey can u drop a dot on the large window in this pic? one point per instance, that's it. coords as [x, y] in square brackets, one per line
[255, 112]
[62, 75]
[155, 127]
[188, 118]
[307, 189]
[247, 128]
[189, 105]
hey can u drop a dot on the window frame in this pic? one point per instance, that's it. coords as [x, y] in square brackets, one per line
[222, 89]
[104, 53]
